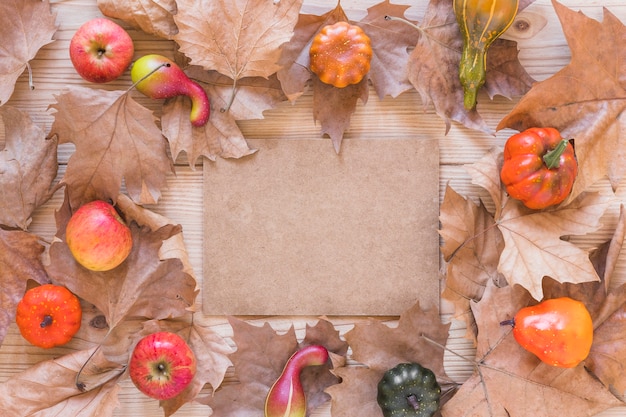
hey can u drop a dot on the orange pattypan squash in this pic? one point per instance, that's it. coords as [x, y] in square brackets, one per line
[340, 54]
[48, 315]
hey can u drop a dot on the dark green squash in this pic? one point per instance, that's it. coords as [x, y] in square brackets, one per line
[409, 390]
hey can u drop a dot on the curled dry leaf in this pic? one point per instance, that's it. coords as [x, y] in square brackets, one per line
[155, 17]
[591, 109]
[471, 247]
[419, 337]
[28, 164]
[259, 360]
[25, 26]
[48, 388]
[20, 260]
[116, 139]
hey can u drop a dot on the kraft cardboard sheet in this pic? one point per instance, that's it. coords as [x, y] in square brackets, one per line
[297, 229]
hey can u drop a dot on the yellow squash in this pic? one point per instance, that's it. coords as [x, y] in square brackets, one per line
[481, 22]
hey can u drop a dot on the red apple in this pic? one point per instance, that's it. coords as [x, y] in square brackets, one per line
[101, 50]
[98, 237]
[162, 365]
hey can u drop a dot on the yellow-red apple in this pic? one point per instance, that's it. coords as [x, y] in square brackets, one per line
[98, 237]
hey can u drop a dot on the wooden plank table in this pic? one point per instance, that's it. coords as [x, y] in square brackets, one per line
[543, 52]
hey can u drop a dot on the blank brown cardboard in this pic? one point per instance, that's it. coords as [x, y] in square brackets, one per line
[296, 229]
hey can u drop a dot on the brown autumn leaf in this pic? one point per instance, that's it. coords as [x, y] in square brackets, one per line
[116, 140]
[419, 337]
[144, 285]
[48, 388]
[510, 381]
[586, 99]
[27, 25]
[259, 360]
[155, 17]
[20, 260]
[211, 352]
[28, 164]
[472, 245]
[534, 245]
[250, 44]
[333, 107]
[221, 136]
[533, 240]
[434, 67]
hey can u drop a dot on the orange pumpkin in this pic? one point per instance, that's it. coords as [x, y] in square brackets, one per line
[48, 315]
[340, 54]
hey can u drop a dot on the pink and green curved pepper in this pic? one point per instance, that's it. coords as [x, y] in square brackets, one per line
[286, 397]
[159, 77]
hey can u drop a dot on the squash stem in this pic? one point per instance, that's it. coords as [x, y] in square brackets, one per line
[47, 321]
[552, 159]
[413, 402]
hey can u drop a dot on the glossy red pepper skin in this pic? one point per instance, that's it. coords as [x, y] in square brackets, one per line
[532, 173]
[558, 331]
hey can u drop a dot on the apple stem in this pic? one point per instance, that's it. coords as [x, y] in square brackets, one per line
[165, 64]
[232, 98]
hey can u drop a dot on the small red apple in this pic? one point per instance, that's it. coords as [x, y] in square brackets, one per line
[98, 237]
[162, 365]
[101, 50]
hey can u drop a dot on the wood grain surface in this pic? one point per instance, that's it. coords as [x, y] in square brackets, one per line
[543, 51]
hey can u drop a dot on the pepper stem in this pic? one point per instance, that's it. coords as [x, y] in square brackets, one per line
[412, 400]
[552, 159]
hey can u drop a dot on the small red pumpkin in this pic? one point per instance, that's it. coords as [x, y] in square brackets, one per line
[48, 315]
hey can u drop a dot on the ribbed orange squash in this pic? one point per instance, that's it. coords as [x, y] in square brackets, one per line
[341, 54]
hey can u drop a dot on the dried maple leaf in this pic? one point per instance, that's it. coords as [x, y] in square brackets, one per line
[434, 67]
[48, 388]
[211, 352]
[145, 285]
[259, 360]
[155, 17]
[533, 244]
[419, 337]
[28, 164]
[250, 47]
[333, 107]
[533, 240]
[20, 260]
[586, 99]
[221, 136]
[471, 247]
[116, 139]
[27, 25]
[510, 381]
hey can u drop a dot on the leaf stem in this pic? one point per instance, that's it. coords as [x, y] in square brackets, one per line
[232, 98]
[31, 83]
[420, 29]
